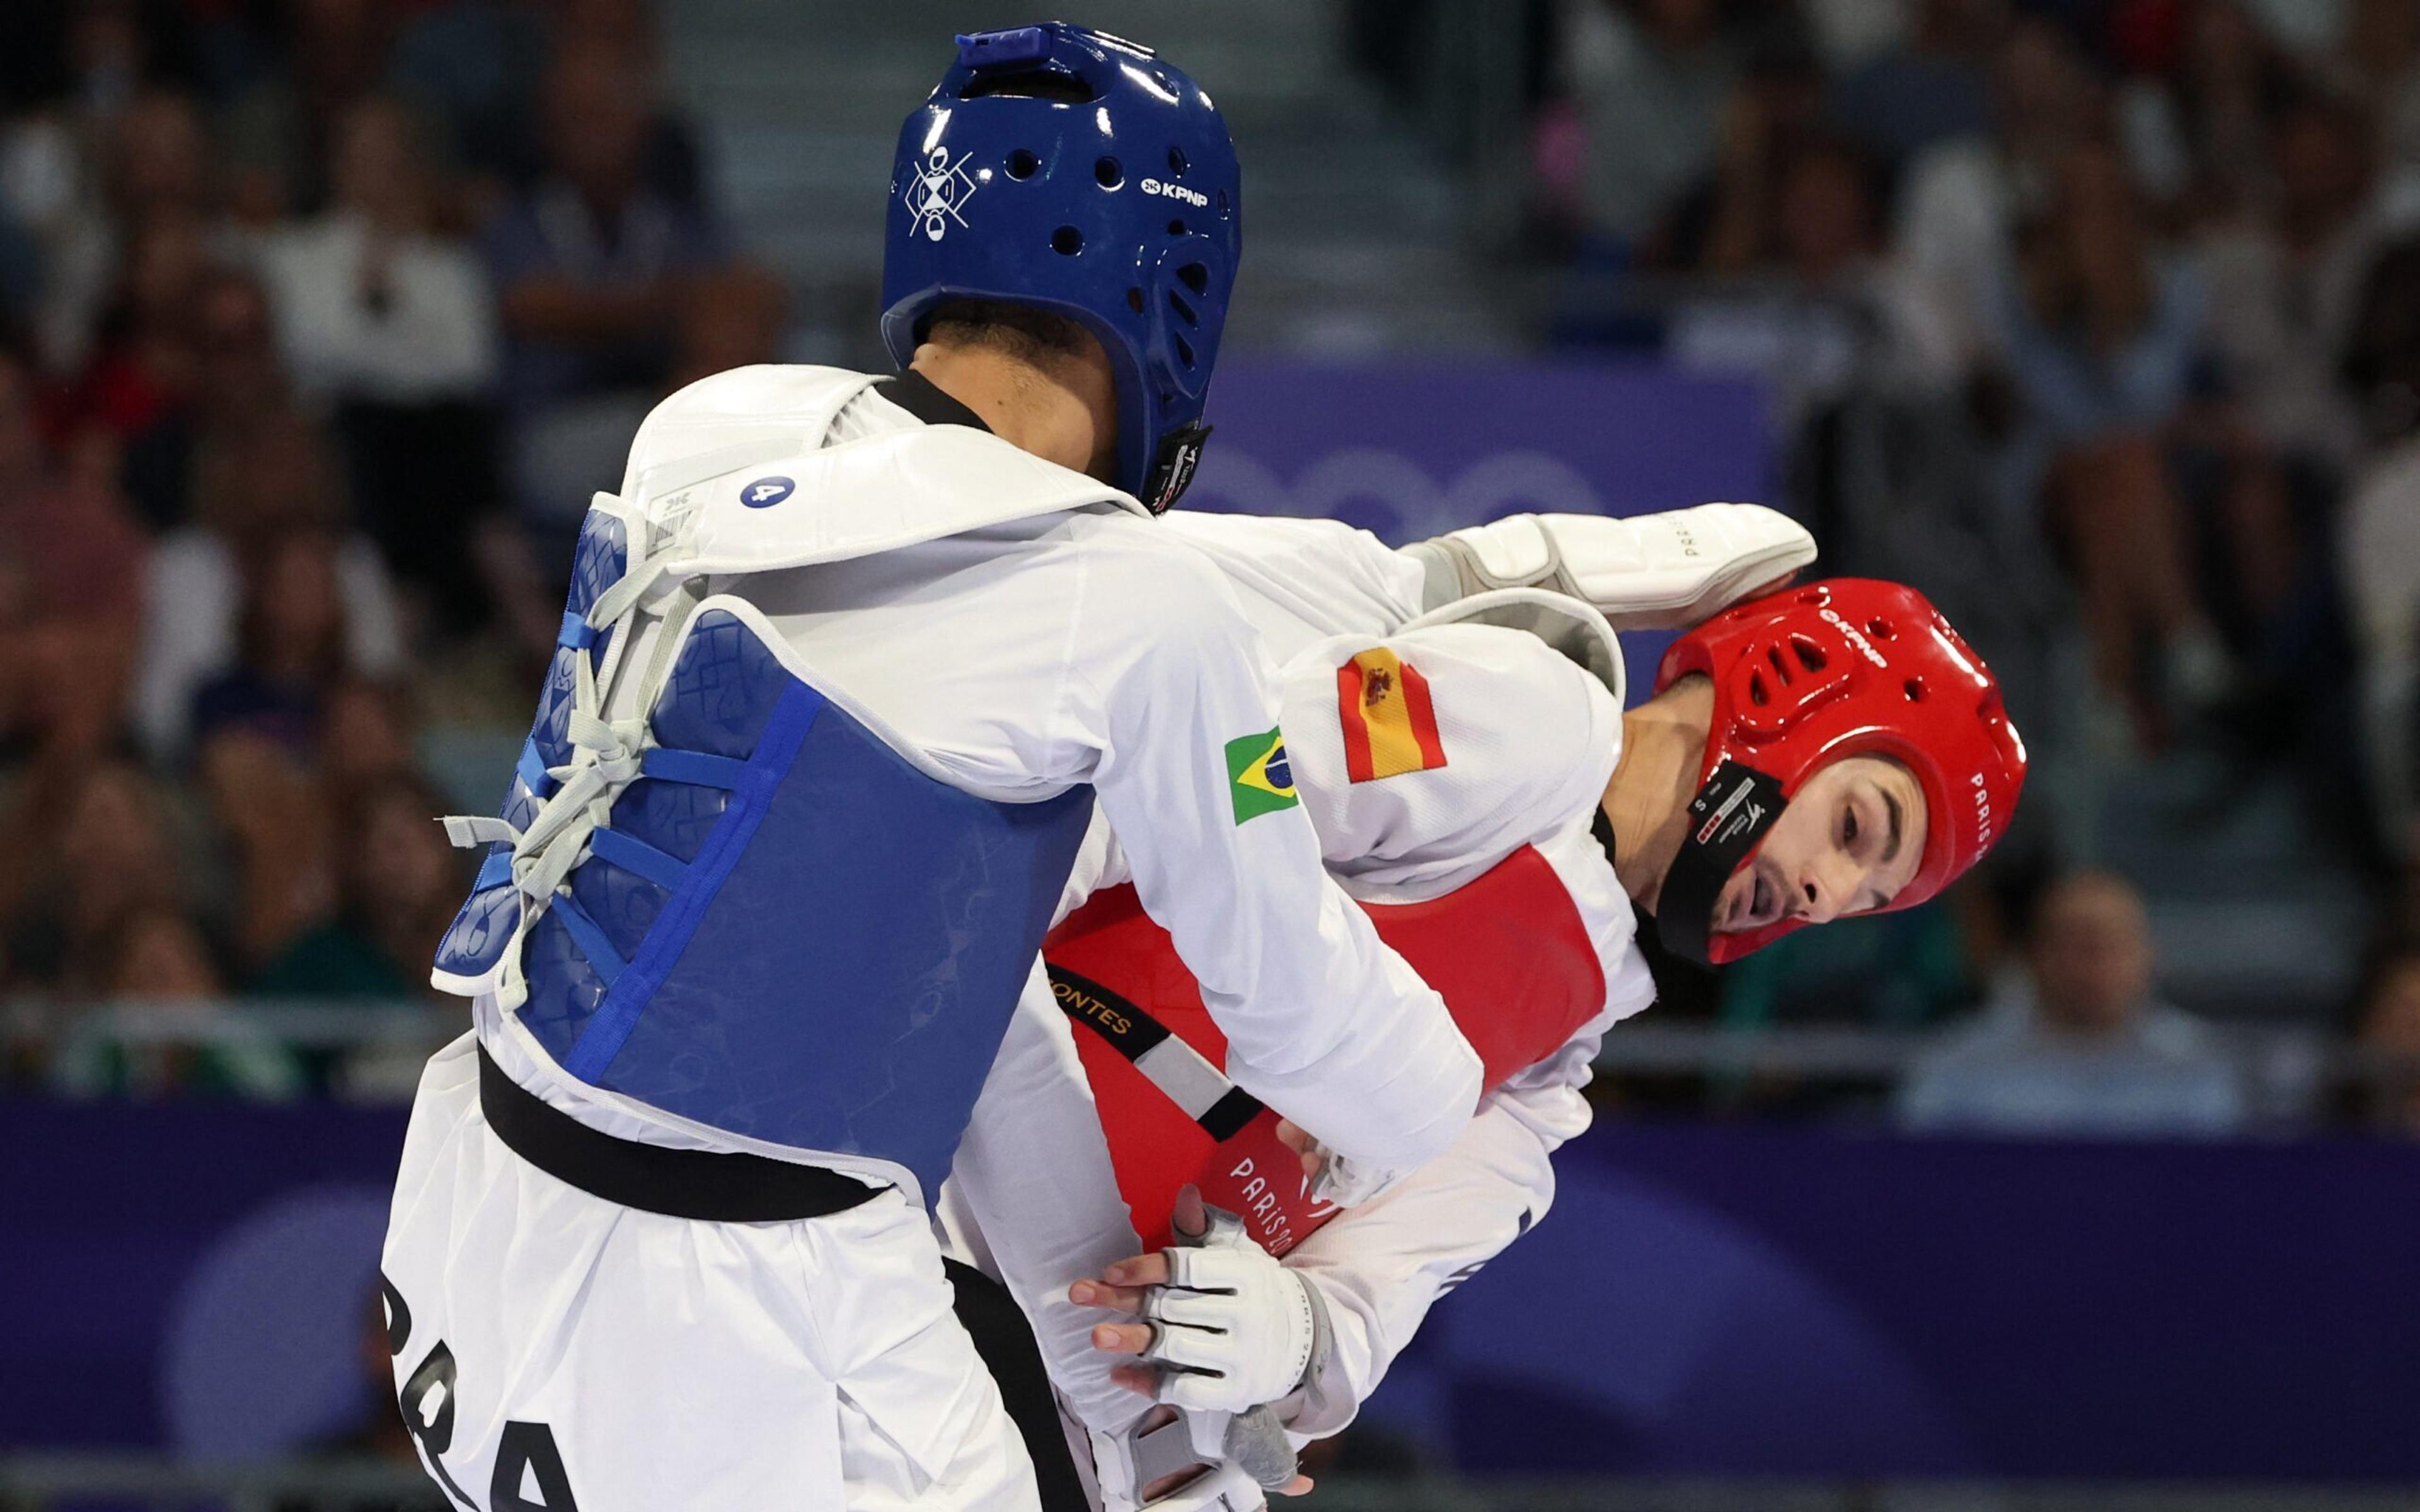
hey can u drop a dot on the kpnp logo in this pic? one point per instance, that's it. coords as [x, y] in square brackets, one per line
[1194, 197]
[940, 194]
[767, 492]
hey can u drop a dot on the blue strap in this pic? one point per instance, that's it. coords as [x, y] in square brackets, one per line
[637, 855]
[575, 634]
[532, 769]
[697, 766]
[585, 932]
[777, 746]
[494, 872]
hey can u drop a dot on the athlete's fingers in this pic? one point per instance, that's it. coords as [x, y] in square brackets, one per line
[1141, 1271]
[1101, 1294]
[1190, 1220]
[1122, 1338]
[1295, 1137]
[1296, 1487]
[1141, 1380]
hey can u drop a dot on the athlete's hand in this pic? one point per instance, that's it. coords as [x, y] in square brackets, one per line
[1226, 1326]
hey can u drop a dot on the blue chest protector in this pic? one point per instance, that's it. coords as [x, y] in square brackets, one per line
[787, 931]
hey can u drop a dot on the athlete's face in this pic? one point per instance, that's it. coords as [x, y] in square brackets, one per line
[1849, 841]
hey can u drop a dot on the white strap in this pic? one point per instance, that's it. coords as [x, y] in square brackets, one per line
[606, 757]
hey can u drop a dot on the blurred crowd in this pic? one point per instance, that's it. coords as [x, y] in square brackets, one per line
[2098, 319]
[319, 321]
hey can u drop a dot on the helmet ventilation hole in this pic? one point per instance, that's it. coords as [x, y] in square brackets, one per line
[1176, 163]
[1107, 172]
[1066, 242]
[1810, 655]
[1195, 277]
[1914, 687]
[1757, 693]
[1816, 595]
[1880, 628]
[1023, 164]
[1134, 301]
[1185, 312]
[1176, 228]
[1183, 352]
[1222, 204]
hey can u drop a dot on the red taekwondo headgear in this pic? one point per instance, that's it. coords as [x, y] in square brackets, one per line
[1812, 674]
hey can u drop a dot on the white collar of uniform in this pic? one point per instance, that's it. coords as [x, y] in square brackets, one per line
[761, 504]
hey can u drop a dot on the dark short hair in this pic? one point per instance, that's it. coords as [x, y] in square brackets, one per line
[1038, 338]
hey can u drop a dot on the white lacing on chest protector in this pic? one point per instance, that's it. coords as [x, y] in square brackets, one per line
[606, 754]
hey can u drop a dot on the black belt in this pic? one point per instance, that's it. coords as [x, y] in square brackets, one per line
[704, 1184]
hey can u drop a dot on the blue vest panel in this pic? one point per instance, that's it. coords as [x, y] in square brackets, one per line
[787, 931]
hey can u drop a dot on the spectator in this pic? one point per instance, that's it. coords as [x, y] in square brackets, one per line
[2283, 286]
[2200, 138]
[1937, 87]
[1651, 79]
[274, 819]
[2380, 553]
[475, 66]
[388, 324]
[254, 485]
[280, 133]
[2388, 1029]
[366, 735]
[2099, 338]
[154, 172]
[1962, 199]
[373, 304]
[402, 883]
[290, 645]
[158, 962]
[113, 856]
[2083, 1047]
[1826, 315]
[590, 266]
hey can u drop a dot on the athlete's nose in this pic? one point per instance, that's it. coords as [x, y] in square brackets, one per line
[1822, 888]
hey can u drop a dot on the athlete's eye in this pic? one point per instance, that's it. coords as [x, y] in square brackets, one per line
[1849, 829]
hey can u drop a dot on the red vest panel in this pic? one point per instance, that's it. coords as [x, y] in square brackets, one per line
[1508, 951]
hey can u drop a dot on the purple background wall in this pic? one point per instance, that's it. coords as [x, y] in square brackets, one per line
[1701, 1299]
[1414, 448]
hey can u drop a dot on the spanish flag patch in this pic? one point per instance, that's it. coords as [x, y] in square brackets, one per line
[1390, 727]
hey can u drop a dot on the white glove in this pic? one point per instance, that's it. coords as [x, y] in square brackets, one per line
[1649, 572]
[1236, 1328]
[1345, 1182]
[1125, 1463]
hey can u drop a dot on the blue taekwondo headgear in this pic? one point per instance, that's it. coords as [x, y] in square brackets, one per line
[1068, 170]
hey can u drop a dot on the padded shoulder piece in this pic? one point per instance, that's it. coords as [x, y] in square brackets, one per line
[734, 475]
[1644, 572]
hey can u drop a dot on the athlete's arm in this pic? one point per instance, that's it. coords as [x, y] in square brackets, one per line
[1319, 577]
[1321, 1019]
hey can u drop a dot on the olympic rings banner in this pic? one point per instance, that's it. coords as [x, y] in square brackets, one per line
[1411, 449]
[1702, 1300]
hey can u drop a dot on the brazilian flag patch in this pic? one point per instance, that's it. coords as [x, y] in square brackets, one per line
[1259, 777]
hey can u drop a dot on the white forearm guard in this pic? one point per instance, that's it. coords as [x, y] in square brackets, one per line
[1650, 572]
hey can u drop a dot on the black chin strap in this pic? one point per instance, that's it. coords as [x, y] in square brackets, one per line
[1171, 470]
[1726, 818]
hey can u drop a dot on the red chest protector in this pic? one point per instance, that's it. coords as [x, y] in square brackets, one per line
[1508, 951]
